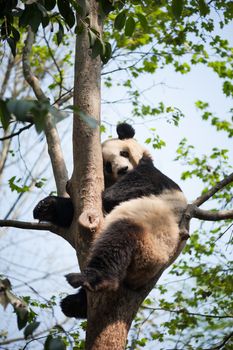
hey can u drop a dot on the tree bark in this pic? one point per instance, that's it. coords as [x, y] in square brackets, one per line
[86, 184]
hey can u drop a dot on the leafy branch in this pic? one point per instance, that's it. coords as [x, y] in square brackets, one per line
[188, 313]
[193, 211]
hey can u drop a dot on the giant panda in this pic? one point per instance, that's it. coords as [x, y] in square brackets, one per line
[141, 232]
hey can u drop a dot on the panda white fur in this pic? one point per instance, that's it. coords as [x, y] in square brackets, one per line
[141, 228]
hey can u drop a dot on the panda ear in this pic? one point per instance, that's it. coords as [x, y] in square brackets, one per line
[125, 131]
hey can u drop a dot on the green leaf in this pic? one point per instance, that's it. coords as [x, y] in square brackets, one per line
[143, 21]
[15, 187]
[203, 8]
[4, 114]
[22, 317]
[32, 16]
[58, 115]
[92, 37]
[49, 4]
[120, 20]
[42, 9]
[98, 48]
[19, 108]
[15, 34]
[60, 34]
[30, 329]
[177, 8]
[12, 44]
[89, 120]
[107, 54]
[129, 26]
[106, 6]
[54, 343]
[40, 110]
[66, 12]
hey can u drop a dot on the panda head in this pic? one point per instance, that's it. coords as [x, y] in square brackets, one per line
[122, 154]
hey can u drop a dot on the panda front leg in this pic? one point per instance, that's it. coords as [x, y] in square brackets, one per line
[57, 210]
[110, 258]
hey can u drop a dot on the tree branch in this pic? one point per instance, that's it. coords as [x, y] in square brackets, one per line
[220, 345]
[16, 133]
[202, 199]
[53, 140]
[184, 311]
[210, 215]
[192, 210]
[10, 65]
[38, 226]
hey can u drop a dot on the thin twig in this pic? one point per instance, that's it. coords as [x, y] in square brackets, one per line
[10, 65]
[55, 62]
[220, 345]
[16, 133]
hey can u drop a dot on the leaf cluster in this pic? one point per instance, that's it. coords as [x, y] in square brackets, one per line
[32, 111]
[16, 15]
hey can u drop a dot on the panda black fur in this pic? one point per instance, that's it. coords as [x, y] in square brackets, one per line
[141, 229]
[120, 155]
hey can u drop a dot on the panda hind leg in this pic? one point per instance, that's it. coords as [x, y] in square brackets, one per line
[110, 258]
[92, 280]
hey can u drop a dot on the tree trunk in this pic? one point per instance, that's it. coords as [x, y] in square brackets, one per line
[110, 314]
[86, 183]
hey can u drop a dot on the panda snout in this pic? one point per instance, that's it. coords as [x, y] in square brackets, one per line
[122, 171]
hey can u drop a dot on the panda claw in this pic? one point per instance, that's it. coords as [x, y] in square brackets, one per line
[75, 279]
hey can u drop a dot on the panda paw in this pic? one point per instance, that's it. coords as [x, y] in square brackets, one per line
[44, 210]
[75, 305]
[92, 280]
[75, 279]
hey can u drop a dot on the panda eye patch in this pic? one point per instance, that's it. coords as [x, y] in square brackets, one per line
[124, 154]
[108, 167]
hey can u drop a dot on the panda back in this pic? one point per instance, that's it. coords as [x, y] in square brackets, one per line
[159, 215]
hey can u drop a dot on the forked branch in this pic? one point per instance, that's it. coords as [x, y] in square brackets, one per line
[193, 211]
